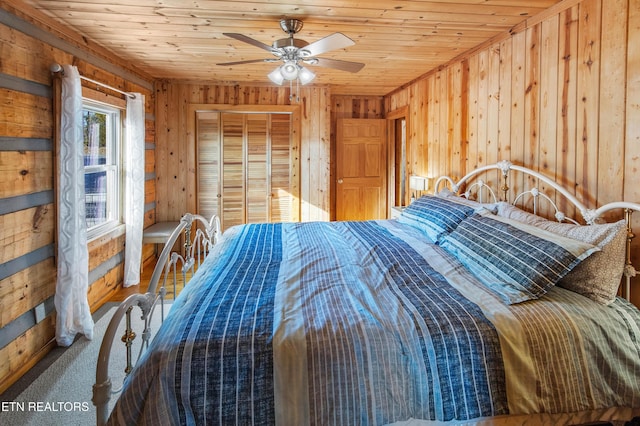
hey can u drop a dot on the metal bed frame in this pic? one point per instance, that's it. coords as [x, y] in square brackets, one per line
[199, 243]
[200, 235]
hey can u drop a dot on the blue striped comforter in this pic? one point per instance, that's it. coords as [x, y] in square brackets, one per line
[363, 323]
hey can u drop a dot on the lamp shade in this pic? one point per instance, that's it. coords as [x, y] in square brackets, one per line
[289, 70]
[305, 75]
[276, 76]
[418, 183]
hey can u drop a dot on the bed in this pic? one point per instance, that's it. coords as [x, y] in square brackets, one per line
[457, 312]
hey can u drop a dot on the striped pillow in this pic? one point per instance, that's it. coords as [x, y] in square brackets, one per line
[598, 277]
[434, 215]
[516, 261]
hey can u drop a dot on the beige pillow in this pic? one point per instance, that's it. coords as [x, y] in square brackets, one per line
[597, 277]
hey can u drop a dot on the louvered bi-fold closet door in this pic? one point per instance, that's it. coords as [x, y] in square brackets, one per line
[231, 184]
[244, 167]
[257, 168]
[282, 199]
[208, 162]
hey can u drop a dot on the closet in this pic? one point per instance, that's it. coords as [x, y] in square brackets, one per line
[246, 166]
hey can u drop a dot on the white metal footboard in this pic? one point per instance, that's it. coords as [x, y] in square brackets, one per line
[198, 242]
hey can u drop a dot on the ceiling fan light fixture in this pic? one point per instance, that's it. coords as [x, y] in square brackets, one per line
[305, 75]
[295, 52]
[289, 70]
[276, 76]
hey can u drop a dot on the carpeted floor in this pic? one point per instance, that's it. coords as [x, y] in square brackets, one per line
[58, 390]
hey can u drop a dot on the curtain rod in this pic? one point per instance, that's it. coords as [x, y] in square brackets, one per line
[55, 68]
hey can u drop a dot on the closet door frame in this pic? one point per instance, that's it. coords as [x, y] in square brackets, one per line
[294, 147]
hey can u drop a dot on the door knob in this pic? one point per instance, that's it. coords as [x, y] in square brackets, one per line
[340, 180]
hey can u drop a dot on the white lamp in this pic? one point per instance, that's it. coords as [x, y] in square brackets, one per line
[276, 76]
[305, 75]
[291, 71]
[418, 183]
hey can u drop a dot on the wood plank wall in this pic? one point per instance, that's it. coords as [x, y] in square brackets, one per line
[175, 157]
[319, 112]
[559, 95]
[27, 186]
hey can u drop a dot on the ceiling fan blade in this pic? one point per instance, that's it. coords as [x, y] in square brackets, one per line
[251, 41]
[249, 61]
[338, 64]
[331, 42]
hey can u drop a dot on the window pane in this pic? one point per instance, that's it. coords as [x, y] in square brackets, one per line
[100, 146]
[96, 198]
[95, 138]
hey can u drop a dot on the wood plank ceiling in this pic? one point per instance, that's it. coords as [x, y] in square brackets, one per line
[397, 40]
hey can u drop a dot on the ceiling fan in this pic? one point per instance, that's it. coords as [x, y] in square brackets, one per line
[293, 52]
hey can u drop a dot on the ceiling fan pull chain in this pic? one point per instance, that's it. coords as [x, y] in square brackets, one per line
[290, 90]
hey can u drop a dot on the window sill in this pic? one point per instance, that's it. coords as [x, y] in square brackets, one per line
[108, 234]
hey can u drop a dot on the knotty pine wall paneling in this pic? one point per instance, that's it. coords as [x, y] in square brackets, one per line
[27, 184]
[611, 111]
[559, 94]
[318, 114]
[175, 155]
[630, 173]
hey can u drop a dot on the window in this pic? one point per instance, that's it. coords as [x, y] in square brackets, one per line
[102, 128]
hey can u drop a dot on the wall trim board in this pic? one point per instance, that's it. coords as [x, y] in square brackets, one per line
[24, 322]
[26, 86]
[34, 31]
[25, 144]
[149, 206]
[102, 269]
[26, 260]
[27, 201]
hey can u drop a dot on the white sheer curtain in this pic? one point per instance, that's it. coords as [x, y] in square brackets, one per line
[134, 163]
[72, 306]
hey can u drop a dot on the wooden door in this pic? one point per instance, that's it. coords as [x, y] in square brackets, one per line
[361, 169]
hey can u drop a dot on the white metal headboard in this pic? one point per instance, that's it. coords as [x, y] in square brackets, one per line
[590, 216]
